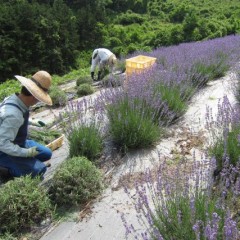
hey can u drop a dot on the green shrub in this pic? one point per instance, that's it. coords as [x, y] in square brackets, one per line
[9, 87]
[130, 18]
[220, 150]
[131, 126]
[112, 81]
[8, 236]
[75, 182]
[85, 141]
[58, 96]
[23, 203]
[84, 90]
[84, 79]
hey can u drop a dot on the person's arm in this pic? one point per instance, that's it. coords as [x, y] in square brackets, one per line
[8, 131]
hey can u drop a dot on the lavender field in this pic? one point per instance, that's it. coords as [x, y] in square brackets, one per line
[190, 196]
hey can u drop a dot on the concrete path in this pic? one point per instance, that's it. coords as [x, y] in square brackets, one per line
[101, 219]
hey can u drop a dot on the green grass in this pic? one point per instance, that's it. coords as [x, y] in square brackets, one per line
[71, 76]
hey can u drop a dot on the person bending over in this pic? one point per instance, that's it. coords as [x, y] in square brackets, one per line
[18, 154]
[102, 58]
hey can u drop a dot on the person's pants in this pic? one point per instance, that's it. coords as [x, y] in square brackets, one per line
[20, 166]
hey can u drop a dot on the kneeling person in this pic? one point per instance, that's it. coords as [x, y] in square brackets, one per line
[18, 154]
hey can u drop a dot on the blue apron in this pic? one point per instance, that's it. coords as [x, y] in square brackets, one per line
[19, 166]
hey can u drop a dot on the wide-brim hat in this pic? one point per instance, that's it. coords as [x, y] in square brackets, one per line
[112, 59]
[38, 85]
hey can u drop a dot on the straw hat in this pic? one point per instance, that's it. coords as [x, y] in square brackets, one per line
[112, 59]
[38, 85]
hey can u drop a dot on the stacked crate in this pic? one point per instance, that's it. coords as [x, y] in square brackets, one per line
[138, 64]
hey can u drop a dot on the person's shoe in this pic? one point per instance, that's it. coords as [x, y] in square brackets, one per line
[48, 164]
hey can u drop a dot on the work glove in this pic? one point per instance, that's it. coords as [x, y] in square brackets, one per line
[32, 152]
[36, 123]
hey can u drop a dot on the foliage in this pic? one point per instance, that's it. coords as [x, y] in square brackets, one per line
[226, 147]
[131, 125]
[112, 81]
[43, 135]
[58, 96]
[63, 34]
[129, 18]
[8, 236]
[9, 87]
[36, 36]
[23, 204]
[171, 206]
[71, 76]
[85, 141]
[236, 86]
[205, 71]
[180, 218]
[120, 65]
[84, 79]
[84, 89]
[75, 182]
[171, 95]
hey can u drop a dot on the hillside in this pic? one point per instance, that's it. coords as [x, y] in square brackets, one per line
[59, 36]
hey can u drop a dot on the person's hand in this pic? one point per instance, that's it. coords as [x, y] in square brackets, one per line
[36, 123]
[32, 152]
[41, 124]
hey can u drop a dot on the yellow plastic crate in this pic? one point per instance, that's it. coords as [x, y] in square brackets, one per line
[138, 64]
[56, 143]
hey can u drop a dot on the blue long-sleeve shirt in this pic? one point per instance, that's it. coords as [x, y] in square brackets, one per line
[11, 119]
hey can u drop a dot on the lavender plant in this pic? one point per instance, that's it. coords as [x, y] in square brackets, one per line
[83, 129]
[59, 97]
[84, 89]
[226, 146]
[23, 204]
[236, 86]
[131, 125]
[85, 141]
[180, 205]
[225, 132]
[83, 79]
[75, 182]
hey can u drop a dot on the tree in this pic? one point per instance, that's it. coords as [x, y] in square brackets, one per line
[35, 36]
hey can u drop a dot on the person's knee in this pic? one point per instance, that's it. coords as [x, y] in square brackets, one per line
[48, 153]
[45, 154]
